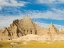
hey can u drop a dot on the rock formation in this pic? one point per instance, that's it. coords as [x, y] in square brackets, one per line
[61, 30]
[26, 26]
[19, 28]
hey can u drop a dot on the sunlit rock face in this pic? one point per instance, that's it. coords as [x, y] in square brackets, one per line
[25, 26]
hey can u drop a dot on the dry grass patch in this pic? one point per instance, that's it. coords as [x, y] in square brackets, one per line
[31, 44]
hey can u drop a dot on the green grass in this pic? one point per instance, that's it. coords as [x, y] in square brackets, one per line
[32, 44]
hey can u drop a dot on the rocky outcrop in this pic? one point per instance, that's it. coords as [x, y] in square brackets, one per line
[26, 26]
[61, 30]
[4, 34]
[19, 28]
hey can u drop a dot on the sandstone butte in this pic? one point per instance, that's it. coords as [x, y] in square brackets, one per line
[24, 27]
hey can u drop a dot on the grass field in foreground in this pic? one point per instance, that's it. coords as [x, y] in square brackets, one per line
[32, 44]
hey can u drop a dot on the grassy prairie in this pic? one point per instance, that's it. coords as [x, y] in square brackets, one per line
[31, 44]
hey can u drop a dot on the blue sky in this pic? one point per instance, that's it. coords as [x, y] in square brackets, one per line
[42, 12]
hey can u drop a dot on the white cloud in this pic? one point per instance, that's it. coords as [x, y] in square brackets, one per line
[62, 1]
[57, 14]
[0, 7]
[46, 1]
[11, 3]
[47, 25]
[50, 1]
[5, 21]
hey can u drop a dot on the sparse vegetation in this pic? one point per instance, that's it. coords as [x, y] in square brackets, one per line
[31, 44]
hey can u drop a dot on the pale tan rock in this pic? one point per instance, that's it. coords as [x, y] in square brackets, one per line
[4, 34]
[26, 26]
[12, 31]
[61, 30]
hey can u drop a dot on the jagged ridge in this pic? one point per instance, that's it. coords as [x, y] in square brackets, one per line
[26, 26]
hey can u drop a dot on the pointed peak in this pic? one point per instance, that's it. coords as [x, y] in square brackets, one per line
[27, 17]
[51, 25]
